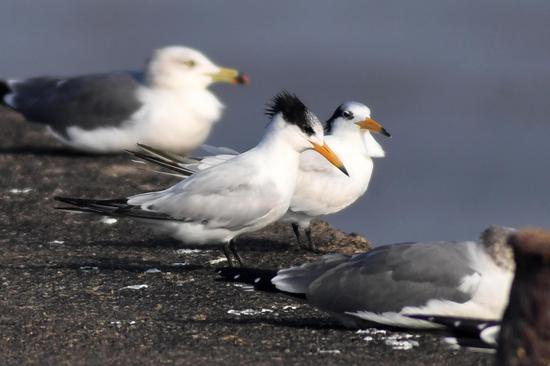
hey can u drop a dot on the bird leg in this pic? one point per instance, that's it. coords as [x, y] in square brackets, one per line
[310, 246]
[296, 229]
[227, 252]
[235, 254]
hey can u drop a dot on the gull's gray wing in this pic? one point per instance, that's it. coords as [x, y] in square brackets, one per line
[391, 277]
[297, 279]
[85, 101]
[225, 196]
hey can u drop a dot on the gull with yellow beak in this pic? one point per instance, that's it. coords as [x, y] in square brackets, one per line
[320, 188]
[168, 105]
[243, 194]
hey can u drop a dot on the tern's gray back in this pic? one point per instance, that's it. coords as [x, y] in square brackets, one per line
[86, 101]
[391, 277]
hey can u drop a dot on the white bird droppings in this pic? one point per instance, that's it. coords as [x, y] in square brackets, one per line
[134, 287]
[188, 251]
[153, 270]
[108, 220]
[398, 344]
[218, 260]
[56, 242]
[248, 312]
[329, 351]
[179, 264]
[20, 191]
[397, 341]
[88, 268]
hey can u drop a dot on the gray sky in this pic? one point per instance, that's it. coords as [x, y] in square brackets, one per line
[462, 86]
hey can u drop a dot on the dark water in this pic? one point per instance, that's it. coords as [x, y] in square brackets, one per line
[464, 87]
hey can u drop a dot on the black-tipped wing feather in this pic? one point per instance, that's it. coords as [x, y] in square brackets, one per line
[259, 278]
[118, 207]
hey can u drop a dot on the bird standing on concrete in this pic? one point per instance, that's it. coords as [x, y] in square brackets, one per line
[320, 188]
[167, 106]
[241, 195]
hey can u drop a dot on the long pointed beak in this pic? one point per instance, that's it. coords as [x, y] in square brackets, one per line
[330, 156]
[372, 125]
[232, 76]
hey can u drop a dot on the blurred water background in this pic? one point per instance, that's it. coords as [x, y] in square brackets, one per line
[464, 87]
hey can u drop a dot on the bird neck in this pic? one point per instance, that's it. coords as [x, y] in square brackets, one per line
[361, 141]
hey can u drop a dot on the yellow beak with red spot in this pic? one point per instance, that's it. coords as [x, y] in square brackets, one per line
[330, 156]
[228, 75]
[372, 125]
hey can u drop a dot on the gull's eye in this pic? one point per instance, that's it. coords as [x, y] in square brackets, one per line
[348, 115]
[189, 63]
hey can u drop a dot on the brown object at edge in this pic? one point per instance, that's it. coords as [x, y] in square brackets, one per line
[525, 334]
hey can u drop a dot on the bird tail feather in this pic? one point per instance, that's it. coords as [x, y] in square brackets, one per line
[115, 207]
[260, 279]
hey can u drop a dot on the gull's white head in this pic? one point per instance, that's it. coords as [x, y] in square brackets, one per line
[300, 127]
[176, 67]
[355, 117]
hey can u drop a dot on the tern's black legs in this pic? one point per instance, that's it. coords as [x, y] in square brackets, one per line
[231, 253]
[227, 252]
[235, 254]
[308, 245]
[296, 230]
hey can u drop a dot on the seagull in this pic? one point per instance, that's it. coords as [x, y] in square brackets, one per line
[524, 324]
[241, 195]
[167, 105]
[390, 283]
[347, 132]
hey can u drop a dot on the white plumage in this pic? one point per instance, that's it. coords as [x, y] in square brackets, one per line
[321, 189]
[167, 106]
[241, 195]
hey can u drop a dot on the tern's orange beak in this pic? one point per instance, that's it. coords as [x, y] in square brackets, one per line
[372, 125]
[330, 156]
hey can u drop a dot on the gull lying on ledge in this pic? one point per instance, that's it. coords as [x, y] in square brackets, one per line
[390, 282]
[241, 195]
[168, 105]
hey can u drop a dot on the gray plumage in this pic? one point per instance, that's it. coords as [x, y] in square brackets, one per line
[167, 104]
[390, 277]
[89, 102]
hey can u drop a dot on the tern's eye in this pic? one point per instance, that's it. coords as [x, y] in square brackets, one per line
[348, 115]
[189, 63]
